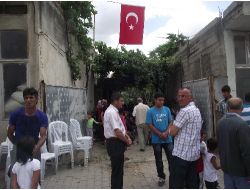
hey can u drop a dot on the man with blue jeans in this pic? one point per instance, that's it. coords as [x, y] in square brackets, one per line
[158, 119]
[233, 135]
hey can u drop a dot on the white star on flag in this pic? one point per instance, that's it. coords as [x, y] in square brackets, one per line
[131, 27]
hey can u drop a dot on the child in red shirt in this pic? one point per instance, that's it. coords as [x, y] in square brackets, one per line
[199, 163]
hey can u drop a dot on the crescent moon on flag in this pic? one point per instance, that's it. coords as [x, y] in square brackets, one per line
[133, 14]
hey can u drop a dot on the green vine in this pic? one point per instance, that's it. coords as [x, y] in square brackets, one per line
[78, 17]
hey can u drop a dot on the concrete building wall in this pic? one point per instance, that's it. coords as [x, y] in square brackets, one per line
[205, 54]
[11, 22]
[230, 58]
[236, 23]
[54, 68]
[46, 48]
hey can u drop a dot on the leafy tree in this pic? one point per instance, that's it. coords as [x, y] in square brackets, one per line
[138, 74]
[78, 17]
[174, 42]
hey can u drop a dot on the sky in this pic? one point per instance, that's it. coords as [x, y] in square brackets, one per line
[161, 17]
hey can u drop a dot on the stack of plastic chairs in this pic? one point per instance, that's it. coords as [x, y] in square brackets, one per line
[58, 140]
[3, 148]
[79, 142]
[8, 163]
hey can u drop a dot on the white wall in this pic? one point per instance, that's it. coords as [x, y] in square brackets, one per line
[53, 66]
[230, 60]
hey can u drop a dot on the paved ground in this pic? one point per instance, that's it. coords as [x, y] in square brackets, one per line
[139, 171]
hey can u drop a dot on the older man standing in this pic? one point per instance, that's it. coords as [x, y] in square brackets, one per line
[234, 147]
[140, 113]
[117, 140]
[186, 129]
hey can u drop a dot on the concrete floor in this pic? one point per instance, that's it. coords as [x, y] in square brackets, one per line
[139, 171]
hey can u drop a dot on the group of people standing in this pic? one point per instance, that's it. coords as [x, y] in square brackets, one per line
[181, 155]
[182, 140]
[233, 135]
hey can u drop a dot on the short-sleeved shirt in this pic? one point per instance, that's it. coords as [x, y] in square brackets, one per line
[187, 141]
[210, 173]
[160, 118]
[112, 121]
[28, 125]
[245, 115]
[25, 172]
[222, 106]
[140, 113]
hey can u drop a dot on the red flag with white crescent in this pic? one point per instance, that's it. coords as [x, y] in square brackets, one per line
[131, 24]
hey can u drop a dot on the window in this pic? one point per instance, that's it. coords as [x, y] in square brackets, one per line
[13, 9]
[240, 50]
[14, 80]
[13, 69]
[13, 44]
[242, 81]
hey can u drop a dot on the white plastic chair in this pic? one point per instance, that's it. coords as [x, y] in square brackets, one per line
[3, 148]
[45, 155]
[80, 142]
[8, 162]
[58, 140]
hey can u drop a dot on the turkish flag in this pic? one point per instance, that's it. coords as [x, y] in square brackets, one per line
[131, 25]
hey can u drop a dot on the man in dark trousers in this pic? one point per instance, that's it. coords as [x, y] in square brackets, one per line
[158, 119]
[233, 135]
[117, 140]
[186, 130]
[28, 121]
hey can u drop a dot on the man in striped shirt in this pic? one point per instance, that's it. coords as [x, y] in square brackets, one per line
[246, 111]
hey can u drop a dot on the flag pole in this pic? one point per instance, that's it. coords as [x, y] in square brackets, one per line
[117, 45]
[114, 2]
[123, 3]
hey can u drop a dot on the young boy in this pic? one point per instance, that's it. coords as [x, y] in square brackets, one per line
[90, 124]
[210, 165]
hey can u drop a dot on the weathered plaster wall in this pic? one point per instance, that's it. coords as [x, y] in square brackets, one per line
[47, 45]
[54, 68]
[9, 22]
[205, 53]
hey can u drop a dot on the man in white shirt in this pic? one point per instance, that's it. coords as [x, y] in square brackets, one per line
[140, 113]
[186, 130]
[117, 140]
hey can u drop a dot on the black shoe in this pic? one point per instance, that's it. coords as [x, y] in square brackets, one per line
[161, 182]
[142, 150]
